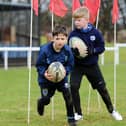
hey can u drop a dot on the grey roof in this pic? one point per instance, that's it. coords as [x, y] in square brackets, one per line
[8, 6]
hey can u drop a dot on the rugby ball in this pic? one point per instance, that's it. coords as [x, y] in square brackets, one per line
[76, 42]
[57, 70]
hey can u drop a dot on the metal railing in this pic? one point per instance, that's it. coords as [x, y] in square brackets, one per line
[5, 51]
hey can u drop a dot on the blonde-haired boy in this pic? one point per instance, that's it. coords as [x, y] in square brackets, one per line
[88, 66]
[81, 12]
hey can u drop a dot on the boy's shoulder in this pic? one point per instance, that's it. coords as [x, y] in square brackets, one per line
[91, 28]
[46, 45]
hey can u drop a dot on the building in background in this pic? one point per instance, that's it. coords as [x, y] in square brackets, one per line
[15, 24]
[15, 29]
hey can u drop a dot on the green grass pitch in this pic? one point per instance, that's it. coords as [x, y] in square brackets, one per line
[14, 98]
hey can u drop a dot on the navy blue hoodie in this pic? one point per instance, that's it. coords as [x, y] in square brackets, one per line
[93, 39]
[47, 55]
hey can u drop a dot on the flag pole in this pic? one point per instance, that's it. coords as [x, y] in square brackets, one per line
[115, 65]
[29, 80]
[97, 20]
[115, 14]
[72, 23]
[52, 31]
[99, 103]
[53, 96]
[52, 22]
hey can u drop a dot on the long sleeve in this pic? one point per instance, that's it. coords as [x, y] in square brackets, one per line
[100, 46]
[41, 64]
[70, 62]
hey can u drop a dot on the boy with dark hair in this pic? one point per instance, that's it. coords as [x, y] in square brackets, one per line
[55, 51]
[88, 66]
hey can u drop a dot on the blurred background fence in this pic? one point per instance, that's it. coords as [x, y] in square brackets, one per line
[15, 53]
[15, 28]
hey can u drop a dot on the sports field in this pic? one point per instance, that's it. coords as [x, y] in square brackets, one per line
[14, 98]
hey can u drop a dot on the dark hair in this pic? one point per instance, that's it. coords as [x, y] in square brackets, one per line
[59, 29]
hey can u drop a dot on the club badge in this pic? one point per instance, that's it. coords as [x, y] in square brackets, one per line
[45, 92]
[92, 38]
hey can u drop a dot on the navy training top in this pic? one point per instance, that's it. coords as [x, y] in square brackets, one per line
[47, 55]
[93, 39]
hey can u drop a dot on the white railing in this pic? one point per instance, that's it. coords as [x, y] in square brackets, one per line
[5, 51]
[15, 49]
[116, 49]
[118, 46]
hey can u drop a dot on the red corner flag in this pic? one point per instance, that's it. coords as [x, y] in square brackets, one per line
[75, 4]
[93, 6]
[115, 11]
[58, 7]
[35, 6]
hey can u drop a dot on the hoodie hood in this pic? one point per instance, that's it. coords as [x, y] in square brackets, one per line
[86, 30]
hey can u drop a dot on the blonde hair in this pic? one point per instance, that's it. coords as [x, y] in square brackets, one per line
[81, 12]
